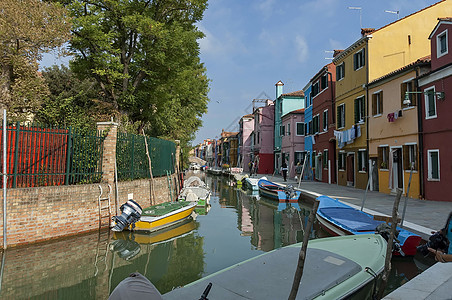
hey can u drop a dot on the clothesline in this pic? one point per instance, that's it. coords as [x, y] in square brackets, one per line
[347, 136]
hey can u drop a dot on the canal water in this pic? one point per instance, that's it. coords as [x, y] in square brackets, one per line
[238, 226]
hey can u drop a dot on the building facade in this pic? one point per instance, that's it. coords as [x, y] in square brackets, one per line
[292, 147]
[246, 127]
[263, 138]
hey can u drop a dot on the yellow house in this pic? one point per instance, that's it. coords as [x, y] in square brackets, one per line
[393, 138]
[377, 53]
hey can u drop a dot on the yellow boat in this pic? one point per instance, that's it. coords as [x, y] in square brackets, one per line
[163, 215]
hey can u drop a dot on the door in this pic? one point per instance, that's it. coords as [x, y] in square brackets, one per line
[397, 172]
[374, 184]
[350, 169]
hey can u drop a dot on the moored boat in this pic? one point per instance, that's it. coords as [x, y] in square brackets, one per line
[341, 219]
[154, 217]
[251, 183]
[335, 268]
[195, 190]
[275, 191]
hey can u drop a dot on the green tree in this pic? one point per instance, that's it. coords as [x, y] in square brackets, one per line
[145, 57]
[28, 28]
[72, 101]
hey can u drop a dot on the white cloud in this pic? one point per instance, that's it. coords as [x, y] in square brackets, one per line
[302, 48]
[266, 7]
[224, 43]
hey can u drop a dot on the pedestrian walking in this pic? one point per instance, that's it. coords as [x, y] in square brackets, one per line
[284, 170]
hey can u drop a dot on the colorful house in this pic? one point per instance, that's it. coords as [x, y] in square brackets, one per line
[284, 103]
[246, 127]
[262, 144]
[308, 130]
[323, 108]
[376, 54]
[292, 146]
[435, 109]
[393, 131]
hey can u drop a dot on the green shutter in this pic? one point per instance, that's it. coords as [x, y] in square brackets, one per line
[356, 111]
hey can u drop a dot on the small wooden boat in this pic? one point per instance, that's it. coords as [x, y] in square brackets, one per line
[335, 268]
[341, 219]
[275, 191]
[195, 190]
[164, 215]
[251, 183]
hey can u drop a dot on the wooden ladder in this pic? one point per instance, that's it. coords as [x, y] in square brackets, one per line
[104, 208]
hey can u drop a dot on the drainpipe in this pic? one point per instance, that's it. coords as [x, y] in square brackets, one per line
[420, 137]
[333, 114]
[367, 114]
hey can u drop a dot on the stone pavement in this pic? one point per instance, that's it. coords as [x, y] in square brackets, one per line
[421, 216]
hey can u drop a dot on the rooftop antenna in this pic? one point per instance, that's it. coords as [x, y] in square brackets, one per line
[396, 12]
[360, 14]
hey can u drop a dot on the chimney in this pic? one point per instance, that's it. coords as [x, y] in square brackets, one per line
[279, 88]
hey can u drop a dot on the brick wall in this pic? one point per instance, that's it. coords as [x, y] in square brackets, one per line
[43, 213]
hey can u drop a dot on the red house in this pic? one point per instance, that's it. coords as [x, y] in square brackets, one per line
[435, 113]
[323, 124]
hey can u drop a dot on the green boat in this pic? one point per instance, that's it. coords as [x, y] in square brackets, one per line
[335, 268]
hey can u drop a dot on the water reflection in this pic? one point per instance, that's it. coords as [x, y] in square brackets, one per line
[239, 225]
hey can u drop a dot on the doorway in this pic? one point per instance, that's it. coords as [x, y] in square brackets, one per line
[351, 169]
[397, 172]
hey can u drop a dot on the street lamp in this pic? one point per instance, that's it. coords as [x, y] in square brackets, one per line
[393, 12]
[407, 101]
[360, 14]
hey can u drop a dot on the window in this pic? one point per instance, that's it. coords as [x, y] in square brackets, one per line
[433, 165]
[341, 116]
[324, 81]
[283, 130]
[358, 60]
[408, 86]
[258, 137]
[315, 89]
[325, 120]
[383, 157]
[341, 161]
[314, 154]
[325, 158]
[359, 110]
[299, 158]
[430, 103]
[340, 71]
[300, 128]
[311, 129]
[409, 157]
[315, 124]
[288, 129]
[306, 129]
[441, 44]
[377, 103]
[362, 158]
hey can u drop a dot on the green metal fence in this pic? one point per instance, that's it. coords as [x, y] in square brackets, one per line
[39, 155]
[133, 162]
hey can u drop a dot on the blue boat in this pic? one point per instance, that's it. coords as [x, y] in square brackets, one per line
[278, 192]
[341, 219]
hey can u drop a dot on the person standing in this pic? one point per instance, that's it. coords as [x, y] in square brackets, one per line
[284, 170]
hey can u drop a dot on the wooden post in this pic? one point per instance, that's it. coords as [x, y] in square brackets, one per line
[387, 268]
[302, 255]
[150, 167]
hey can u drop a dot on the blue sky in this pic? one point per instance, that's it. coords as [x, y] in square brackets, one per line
[251, 45]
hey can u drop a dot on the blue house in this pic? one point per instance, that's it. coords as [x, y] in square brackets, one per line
[284, 104]
[308, 129]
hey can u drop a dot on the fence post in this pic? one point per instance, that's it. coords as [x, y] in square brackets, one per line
[110, 131]
[16, 154]
[68, 155]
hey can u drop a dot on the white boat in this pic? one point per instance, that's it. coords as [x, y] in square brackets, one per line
[195, 190]
[251, 183]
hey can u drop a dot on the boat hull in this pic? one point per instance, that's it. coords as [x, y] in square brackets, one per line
[274, 191]
[342, 223]
[154, 223]
[335, 268]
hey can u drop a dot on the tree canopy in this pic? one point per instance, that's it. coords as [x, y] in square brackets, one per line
[144, 56]
[28, 28]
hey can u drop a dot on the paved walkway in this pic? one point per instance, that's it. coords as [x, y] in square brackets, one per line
[421, 216]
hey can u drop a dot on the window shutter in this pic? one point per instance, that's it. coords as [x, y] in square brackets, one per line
[338, 117]
[356, 111]
[354, 62]
[343, 69]
[363, 108]
[363, 57]
[381, 103]
[406, 157]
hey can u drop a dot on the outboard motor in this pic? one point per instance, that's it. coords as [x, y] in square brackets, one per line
[289, 191]
[130, 213]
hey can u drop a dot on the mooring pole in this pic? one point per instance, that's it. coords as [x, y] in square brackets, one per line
[367, 187]
[302, 169]
[302, 255]
[4, 180]
[387, 268]
[407, 193]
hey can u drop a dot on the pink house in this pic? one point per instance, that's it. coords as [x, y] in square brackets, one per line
[292, 149]
[262, 144]
[246, 127]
